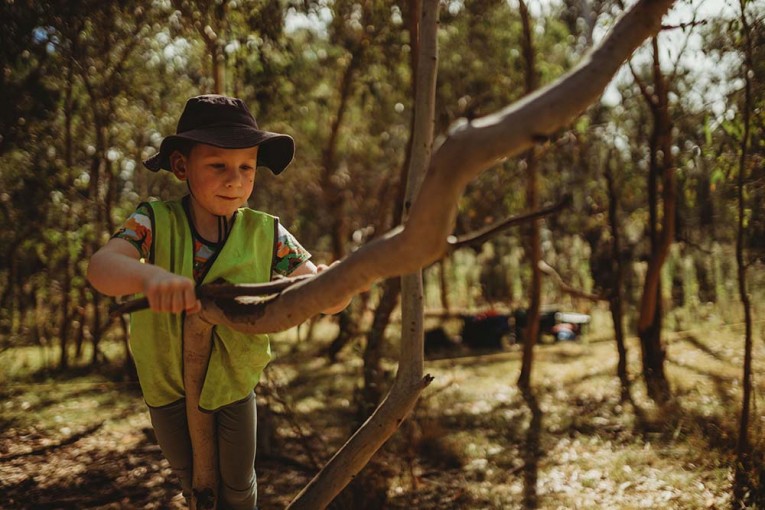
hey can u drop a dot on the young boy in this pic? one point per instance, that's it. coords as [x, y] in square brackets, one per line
[166, 249]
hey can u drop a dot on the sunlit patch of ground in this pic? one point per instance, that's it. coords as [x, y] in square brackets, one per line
[475, 441]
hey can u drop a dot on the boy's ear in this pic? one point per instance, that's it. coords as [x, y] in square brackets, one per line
[178, 165]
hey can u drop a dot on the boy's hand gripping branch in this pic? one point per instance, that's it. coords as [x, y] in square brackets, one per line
[219, 291]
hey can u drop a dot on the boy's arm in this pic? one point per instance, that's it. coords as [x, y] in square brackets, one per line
[116, 270]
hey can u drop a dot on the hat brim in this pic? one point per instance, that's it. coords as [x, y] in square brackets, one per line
[276, 150]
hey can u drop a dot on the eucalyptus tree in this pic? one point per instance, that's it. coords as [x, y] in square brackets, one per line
[744, 480]
[26, 109]
[735, 153]
[85, 75]
[469, 149]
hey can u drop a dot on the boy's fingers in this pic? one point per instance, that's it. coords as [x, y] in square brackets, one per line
[159, 302]
[172, 295]
[196, 308]
[167, 303]
[190, 302]
[176, 302]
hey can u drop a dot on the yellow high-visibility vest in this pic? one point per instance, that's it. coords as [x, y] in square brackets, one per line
[156, 339]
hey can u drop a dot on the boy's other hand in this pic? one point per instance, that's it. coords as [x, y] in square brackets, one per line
[168, 292]
[322, 267]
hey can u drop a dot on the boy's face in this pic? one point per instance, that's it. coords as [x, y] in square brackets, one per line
[221, 180]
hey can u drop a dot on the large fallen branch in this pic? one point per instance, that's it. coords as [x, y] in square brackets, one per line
[270, 290]
[469, 149]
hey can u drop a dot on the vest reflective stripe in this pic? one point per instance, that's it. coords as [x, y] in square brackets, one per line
[156, 339]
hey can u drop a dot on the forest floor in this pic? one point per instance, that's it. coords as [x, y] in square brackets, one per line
[82, 439]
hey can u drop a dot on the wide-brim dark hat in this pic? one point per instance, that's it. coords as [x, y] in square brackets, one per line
[224, 122]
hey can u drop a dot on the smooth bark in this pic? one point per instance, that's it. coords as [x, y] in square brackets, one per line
[469, 149]
[197, 345]
[391, 289]
[403, 395]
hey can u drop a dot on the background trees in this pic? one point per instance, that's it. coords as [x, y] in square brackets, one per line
[89, 89]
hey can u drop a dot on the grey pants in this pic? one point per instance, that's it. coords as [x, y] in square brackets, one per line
[236, 429]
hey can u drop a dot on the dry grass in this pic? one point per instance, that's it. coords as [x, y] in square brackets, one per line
[473, 442]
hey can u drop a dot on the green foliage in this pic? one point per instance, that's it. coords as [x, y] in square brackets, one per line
[90, 88]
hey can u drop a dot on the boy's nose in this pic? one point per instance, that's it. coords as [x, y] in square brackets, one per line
[232, 177]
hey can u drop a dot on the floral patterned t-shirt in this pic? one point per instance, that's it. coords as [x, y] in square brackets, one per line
[137, 231]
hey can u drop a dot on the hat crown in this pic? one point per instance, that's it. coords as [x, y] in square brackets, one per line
[212, 110]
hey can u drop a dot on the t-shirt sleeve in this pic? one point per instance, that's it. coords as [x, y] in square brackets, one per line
[137, 230]
[289, 253]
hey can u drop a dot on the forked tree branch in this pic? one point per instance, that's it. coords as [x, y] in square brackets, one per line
[409, 382]
[469, 149]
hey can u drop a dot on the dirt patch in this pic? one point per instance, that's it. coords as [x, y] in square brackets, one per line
[473, 442]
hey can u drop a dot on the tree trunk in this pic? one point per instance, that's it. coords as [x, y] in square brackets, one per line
[532, 202]
[82, 313]
[531, 332]
[615, 301]
[443, 286]
[661, 165]
[66, 286]
[345, 333]
[210, 30]
[68, 117]
[373, 376]
[334, 190]
[391, 288]
[653, 357]
[100, 168]
[128, 366]
[409, 380]
[743, 484]
[197, 345]
[218, 59]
